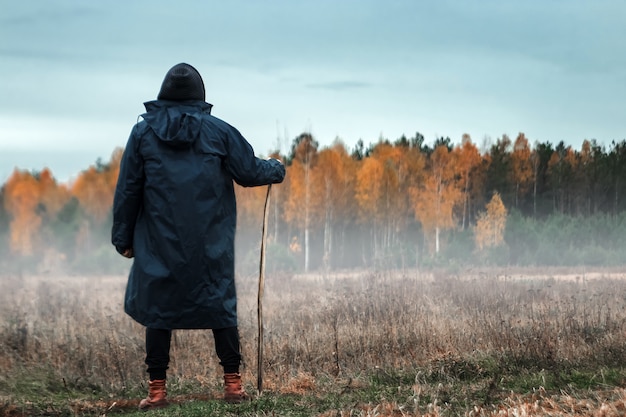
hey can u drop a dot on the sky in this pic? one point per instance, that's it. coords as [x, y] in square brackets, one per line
[75, 73]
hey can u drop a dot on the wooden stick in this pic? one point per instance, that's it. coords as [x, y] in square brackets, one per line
[260, 294]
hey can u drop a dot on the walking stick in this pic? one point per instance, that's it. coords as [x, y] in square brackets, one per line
[260, 294]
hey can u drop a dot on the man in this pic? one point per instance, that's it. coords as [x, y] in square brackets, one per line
[174, 212]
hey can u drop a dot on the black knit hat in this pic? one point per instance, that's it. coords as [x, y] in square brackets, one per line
[182, 82]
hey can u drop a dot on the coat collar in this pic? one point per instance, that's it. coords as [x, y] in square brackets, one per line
[203, 106]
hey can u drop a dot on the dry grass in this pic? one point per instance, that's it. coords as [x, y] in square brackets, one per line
[476, 341]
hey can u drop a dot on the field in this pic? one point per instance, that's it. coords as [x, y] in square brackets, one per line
[368, 343]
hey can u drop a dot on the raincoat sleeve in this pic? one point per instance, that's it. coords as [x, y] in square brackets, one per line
[248, 170]
[127, 200]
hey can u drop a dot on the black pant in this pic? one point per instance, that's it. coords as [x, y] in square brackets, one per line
[158, 350]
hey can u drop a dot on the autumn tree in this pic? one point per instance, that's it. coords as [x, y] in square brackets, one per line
[392, 201]
[33, 202]
[21, 200]
[435, 200]
[406, 164]
[467, 160]
[299, 209]
[489, 230]
[368, 193]
[332, 176]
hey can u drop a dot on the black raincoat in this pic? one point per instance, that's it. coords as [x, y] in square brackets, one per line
[174, 206]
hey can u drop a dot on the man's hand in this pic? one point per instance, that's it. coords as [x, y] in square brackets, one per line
[281, 162]
[128, 253]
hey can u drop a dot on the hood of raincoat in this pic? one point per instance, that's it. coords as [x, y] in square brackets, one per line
[176, 123]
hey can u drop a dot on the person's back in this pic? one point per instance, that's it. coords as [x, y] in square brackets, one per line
[175, 212]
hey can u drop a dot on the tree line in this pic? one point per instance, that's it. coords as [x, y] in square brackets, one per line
[399, 203]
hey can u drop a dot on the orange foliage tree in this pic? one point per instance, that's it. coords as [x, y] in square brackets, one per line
[435, 200]
[32, 201]
[332, 176]
[21, 200]
[403, 168]
[467, 160]
[368, 194]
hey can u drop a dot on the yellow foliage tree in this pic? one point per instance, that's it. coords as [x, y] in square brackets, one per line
[489, 231]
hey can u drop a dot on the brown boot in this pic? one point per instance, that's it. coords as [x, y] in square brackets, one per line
[233, 391]
[156, 396]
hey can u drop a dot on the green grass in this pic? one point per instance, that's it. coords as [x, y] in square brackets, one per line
[451, 388]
